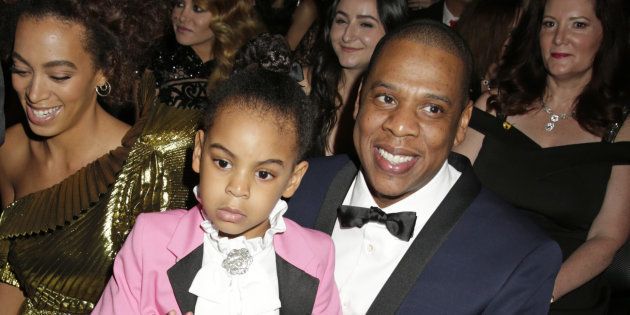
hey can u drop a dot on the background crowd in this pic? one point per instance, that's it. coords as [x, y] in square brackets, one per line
[549, 131]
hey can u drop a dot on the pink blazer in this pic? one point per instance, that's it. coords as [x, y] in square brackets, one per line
[161, 256]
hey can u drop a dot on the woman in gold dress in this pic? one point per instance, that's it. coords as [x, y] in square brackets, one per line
[73, 177]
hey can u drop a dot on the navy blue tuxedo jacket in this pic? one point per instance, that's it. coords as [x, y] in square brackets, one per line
[475, 255]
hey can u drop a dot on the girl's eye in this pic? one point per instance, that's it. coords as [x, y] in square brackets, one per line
[433, 109]
[340, 21]
[198, 9]
[367, 25]
[264, 175]
[178, 4]
[223, 164]
[548, 24]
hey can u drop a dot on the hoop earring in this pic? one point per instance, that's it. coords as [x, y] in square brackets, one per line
[104, 90]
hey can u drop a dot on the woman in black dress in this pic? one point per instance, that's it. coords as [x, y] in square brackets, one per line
[552, 139]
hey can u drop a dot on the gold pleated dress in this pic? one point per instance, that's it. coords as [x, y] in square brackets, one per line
[58, 245]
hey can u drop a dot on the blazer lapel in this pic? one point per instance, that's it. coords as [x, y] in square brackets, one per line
[181, 276]
[429, 239]
[297, 288]
[334, 197]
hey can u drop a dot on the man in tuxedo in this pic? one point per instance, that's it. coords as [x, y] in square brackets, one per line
[414, 231]
[447, 11]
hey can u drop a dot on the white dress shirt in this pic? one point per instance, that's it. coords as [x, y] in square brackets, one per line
[367, 256]
[254, 292]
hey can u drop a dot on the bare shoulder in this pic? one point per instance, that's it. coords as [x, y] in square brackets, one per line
[624, 132]
[14, 157]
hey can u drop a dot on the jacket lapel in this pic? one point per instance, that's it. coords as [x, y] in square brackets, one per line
[429, 239]
[181, 276]
[334, 197]
[297, 288]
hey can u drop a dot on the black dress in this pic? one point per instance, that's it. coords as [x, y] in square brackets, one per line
[181, 76]
[562, 188]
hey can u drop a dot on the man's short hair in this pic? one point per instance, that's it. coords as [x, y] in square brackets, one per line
[433, 34]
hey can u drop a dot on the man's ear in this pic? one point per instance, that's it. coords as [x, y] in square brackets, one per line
[296, 178]
[462, 125]
[357, 101]
[200, 137]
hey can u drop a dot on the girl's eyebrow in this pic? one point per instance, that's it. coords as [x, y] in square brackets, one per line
[232, 155]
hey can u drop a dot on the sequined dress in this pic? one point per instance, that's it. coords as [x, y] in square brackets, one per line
[58, 245]
[181, 76]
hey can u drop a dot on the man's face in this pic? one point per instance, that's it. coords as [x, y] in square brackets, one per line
[410, 116]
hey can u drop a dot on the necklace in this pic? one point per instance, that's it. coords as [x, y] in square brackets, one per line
[553, 117]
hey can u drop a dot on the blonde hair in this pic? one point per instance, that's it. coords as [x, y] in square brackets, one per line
[234, 22]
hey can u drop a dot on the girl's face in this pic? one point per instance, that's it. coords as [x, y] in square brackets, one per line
[245, 165]
[53, 75]
[355, 31]
[191, 23]
[570, 37]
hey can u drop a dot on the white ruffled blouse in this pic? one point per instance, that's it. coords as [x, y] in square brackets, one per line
[252, 290]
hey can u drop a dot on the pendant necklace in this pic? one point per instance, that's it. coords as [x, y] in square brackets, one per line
[553, 117]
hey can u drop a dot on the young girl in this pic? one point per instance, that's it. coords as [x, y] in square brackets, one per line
[234, 253]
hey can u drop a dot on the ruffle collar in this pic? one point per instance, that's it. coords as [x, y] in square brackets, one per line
[255, 245]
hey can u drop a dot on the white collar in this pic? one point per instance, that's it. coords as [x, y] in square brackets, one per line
[255, 291]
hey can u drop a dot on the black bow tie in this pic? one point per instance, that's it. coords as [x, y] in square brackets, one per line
[399, 224]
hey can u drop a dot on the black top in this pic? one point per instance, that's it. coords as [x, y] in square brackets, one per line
[181, 76]
[562, 188]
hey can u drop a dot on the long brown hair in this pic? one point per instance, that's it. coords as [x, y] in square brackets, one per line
[234, 22]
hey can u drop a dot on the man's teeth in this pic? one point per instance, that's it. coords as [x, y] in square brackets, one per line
[394, 159]
[42, 113]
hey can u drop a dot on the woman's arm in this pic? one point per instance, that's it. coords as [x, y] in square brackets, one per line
[608, 233]
[11, 299]
[305, 14]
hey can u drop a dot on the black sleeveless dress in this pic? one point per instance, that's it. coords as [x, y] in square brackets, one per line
[562, 188]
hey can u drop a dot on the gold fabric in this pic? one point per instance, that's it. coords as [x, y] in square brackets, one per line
[58, 244]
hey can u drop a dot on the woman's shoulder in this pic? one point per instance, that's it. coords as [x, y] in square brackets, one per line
[624, 131]
[13, 159]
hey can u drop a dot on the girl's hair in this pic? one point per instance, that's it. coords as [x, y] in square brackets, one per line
[485, 25]
[326, 70]
[233, 23]
[118, 33]
[266, 92]
[521, 78]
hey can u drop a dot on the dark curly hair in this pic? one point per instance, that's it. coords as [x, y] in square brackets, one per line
[118, 33]
[326, 70]
[266, 92]
[269, 51]
[521, 78]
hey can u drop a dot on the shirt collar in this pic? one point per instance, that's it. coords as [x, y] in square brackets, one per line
[425, 198]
